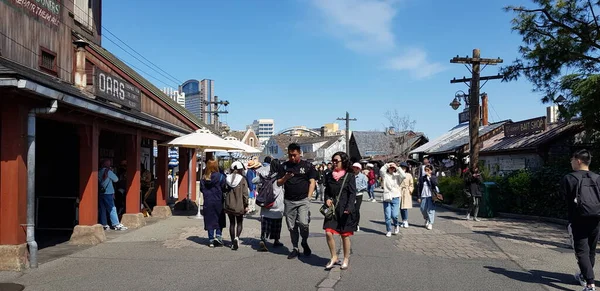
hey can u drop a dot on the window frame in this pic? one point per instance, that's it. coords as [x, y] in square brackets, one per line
[54, 69]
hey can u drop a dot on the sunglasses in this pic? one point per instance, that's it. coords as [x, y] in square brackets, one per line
[335, 161]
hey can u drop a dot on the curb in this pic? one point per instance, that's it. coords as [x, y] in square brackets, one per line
[515, 216]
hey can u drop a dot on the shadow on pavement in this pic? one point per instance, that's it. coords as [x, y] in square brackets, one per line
[199, 240]
[526, 239]
[314, 260]
[377, 222]
[370, 230]
[450, 217]
[536, 276]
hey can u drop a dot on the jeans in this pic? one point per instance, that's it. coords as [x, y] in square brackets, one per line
[107, 203]
[390, 210]
[428, 209]
[404, 214]
[211, 233]
[585, 233]
[371, 191]
[359, 200]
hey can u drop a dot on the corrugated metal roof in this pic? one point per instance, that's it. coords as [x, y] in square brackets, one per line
[146, 84]
[454, 139]
[371, 143]
[555, 130]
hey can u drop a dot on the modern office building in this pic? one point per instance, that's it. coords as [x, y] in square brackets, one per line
[198, 95]
[264, 128]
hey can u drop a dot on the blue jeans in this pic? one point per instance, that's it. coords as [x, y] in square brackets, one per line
[428, 209]
[404, 214]
[107, 203]
[371, 190]
[390, 210]
[211, 233]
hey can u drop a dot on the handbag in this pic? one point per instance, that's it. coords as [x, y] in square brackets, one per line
[329, 212]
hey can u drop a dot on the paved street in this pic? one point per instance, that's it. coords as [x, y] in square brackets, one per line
[172, 254]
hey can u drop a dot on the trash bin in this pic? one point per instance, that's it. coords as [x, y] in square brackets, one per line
[489, 195]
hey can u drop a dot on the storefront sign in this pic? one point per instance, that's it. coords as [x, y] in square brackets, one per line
[525, 127]
[115, 89]
[465, 116]
[47, 11]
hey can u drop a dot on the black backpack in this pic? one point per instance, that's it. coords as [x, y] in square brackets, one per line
[266, 196]
[588, 195]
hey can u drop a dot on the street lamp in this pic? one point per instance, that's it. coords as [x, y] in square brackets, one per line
[455, 104]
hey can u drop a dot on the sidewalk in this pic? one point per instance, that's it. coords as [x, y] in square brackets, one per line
[173, 254]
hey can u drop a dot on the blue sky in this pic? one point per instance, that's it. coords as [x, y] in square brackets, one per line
[307, 62]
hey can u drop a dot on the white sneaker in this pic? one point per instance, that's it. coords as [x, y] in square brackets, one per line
[120, 227]
[468, 217]
[429, 227]
[357, 228]
[406, 224]
[397, 230]
[388, 234]
[589, 289]
[477, 219]
[106, 227]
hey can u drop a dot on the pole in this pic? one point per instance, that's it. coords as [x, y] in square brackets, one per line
[474, 112]
[347, 119]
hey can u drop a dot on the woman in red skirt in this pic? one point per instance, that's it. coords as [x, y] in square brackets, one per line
[340, 190]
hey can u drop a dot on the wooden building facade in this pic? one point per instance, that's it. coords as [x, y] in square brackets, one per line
[65, 104]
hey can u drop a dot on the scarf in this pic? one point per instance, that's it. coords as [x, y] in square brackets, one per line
[338, 174]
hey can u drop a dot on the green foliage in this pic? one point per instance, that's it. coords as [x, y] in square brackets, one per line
[530, 192]
[452, 188]
[561, 36]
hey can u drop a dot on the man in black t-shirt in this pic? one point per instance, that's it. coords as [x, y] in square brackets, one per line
[584, 230]
[298, 178]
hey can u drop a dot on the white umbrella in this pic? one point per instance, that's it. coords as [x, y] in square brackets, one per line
[246, 148]
[203, 139]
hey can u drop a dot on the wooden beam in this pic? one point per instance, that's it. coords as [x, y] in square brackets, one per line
[453, 81]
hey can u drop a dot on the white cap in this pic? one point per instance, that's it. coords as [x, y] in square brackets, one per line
[237, 165]
[357, 165]
[369, 165]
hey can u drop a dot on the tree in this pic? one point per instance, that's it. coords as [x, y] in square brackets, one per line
[402, 125]
[561, 55]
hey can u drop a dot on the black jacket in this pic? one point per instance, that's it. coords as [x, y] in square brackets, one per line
[473, 184]
[433, 183]
[342, 222]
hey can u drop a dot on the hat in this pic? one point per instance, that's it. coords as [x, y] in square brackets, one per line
[252, 164]
[369, 165]
[237, 165]
[357, 165]
[404, 164]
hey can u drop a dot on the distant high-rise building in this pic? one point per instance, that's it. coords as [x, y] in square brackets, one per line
[179, 97]
[198, 95]
[264, 128]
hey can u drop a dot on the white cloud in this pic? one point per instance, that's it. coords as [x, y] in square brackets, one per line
[364, 25]
[415, 62]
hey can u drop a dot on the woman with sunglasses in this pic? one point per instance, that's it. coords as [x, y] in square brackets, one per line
[340, 191]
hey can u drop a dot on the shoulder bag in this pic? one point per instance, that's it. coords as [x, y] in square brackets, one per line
[329, 212]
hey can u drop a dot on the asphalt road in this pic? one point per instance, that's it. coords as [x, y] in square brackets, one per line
[172, 254]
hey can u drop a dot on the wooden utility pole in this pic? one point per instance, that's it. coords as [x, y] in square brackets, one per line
[347, 119]
[474, 111]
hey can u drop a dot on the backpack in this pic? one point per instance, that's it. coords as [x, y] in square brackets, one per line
[588, 195]
[266, 196]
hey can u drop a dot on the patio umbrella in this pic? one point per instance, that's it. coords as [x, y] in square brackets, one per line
[201, 139]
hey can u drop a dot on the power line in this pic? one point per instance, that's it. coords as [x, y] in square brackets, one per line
[172, 78]
[499, 118]
[176, 85]
[161, 81]
[30, 50]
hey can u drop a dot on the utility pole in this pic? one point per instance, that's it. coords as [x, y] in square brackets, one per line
[216, 111]
[474, 111]
[347, 119]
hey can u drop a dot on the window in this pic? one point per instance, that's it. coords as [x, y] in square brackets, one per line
[48, 61]
[83, 13]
